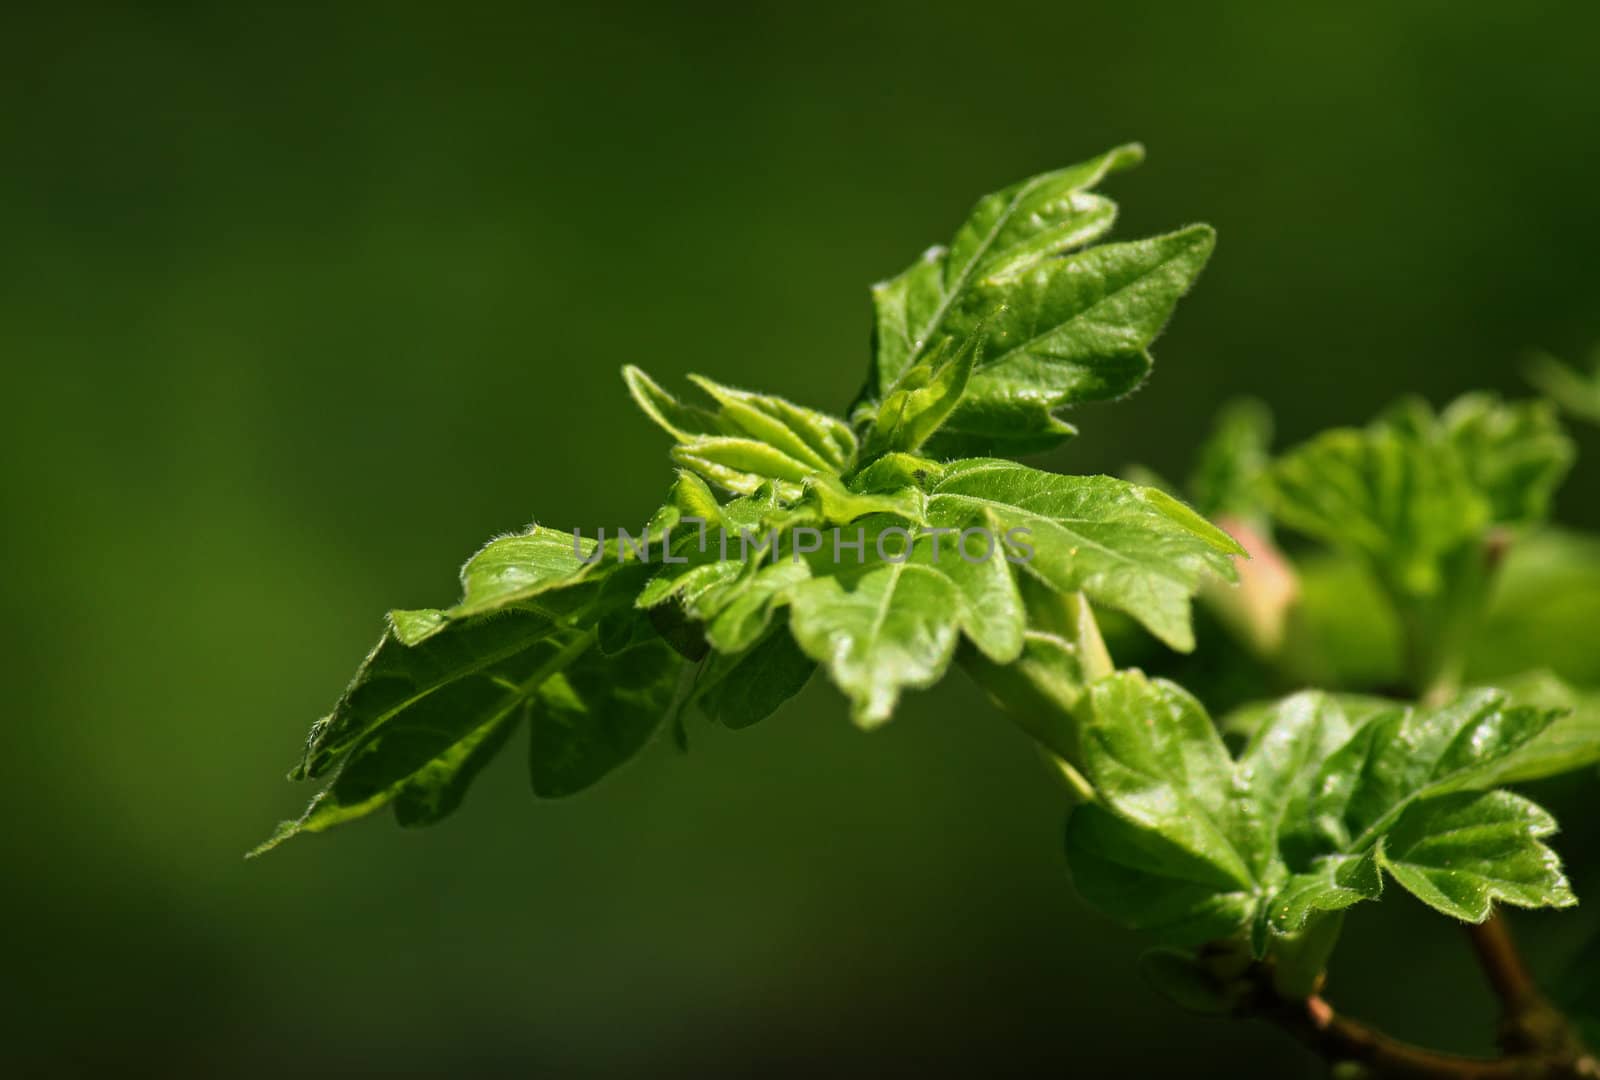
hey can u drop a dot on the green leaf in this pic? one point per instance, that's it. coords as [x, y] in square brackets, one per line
[1186, 982]
[1400, 498]
[883, 623]
[596, 713]
[1460, 853]
[1051, 326]
[437, 789]
[423, 754]
[1570, 743]
[1072, 330]
[884, 626]
[748, 439]
[1328, 794]
[1397, 759]
[1147, 882]
[1007, 231]
[740, 689]
[1426, 503]
[1155, 758]
[1543, 612]
[1230, 477]
[1515, 453]
[740, 614]
[516, 569]
[396, 677]
[921, 400]
[1334, 883]
[1282, 766]
[1134, 549]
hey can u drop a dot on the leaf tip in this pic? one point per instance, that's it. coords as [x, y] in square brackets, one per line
[284, 831]
[1127, 156]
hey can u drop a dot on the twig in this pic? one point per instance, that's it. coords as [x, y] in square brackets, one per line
[1537, 1040]
[1339, 1039]
[1529, 1023]
[1502, 962]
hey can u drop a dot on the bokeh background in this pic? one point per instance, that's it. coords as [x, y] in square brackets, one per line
[299, 305]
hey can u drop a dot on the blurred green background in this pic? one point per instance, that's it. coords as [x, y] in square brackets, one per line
[298, 307]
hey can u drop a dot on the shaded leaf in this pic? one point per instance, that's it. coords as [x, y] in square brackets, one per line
[422, 756]
[596, 713]
[395, 677]
[1146, 882]
[740, 689]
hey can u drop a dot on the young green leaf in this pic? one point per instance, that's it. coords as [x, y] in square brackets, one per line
[921, 400]
[1071, 330]
[1543, 612]
[1052, 326]
[1334, 883]
[514, 570]
[749, 439]
[1156, 760]
[1006, 232]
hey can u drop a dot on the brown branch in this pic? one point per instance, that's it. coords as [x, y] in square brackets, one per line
[1529, 1023]
[1502, 963]
[1339, 1039]
[1537, 1040]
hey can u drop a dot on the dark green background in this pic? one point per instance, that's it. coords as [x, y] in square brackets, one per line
[297, 307]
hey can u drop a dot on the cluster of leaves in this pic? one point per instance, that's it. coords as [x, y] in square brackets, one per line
[1432, 567]
[594, 644]
[1330, 795]
[792, 540]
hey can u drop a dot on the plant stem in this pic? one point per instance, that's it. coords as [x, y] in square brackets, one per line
[1529, 1023]
[1535, 1037]
[1501, 961]
[1335, 1038]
